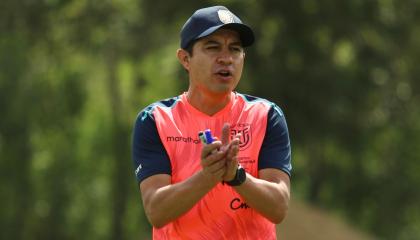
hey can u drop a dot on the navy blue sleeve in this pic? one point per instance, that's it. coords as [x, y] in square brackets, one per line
[275, 150]
[149, 154]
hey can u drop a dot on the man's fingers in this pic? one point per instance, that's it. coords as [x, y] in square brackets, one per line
[233, 151]
[234, 146]
[230, 171]
[211, 155]
[209, 148]
[212, 159]
[225, 134]
[214, 165]
[217, 166]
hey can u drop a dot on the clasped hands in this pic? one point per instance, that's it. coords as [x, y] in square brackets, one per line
[219, 159]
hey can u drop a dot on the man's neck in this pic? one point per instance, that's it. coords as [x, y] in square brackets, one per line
[208, 103]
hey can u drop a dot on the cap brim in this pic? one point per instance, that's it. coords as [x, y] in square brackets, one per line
[245, 33]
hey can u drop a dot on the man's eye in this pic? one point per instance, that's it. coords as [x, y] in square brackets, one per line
[212, 47]
[237, 49]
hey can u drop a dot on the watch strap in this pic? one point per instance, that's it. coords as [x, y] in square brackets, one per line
[239, 178]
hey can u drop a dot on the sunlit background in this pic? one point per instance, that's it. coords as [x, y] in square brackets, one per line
[75, 73]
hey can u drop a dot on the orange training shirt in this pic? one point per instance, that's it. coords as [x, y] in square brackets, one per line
[165, 140]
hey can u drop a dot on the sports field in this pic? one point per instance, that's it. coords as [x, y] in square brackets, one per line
[307, 222]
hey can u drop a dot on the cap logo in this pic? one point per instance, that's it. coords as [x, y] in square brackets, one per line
[225, 16]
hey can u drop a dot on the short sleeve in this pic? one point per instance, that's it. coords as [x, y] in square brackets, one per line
[276, 150]
[148, 153]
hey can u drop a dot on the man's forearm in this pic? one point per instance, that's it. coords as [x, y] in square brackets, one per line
[271, 199]
[171, 201]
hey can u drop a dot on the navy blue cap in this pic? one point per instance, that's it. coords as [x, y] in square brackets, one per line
[206, 21]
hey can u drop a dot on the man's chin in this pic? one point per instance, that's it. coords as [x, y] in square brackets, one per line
[222, 90]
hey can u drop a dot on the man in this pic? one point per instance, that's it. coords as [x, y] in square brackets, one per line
[236, 187]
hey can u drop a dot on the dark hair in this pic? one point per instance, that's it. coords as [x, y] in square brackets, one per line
[190, 47]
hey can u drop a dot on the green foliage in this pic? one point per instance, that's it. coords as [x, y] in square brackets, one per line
[74, 74]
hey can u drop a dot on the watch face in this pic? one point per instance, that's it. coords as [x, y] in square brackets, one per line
[241, 175]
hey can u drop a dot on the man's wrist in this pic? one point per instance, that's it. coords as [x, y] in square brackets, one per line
[239, 177]
[208, 180]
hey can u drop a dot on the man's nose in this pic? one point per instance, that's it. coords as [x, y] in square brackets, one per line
[225, 57]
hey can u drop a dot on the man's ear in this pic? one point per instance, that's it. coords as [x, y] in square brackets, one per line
[183, 58]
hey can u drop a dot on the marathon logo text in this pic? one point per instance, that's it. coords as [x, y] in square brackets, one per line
[182, 139]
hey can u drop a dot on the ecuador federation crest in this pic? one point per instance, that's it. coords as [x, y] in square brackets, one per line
[225, 16]
[246, 135]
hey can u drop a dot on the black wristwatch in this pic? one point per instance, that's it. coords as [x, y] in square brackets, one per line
[239, 178]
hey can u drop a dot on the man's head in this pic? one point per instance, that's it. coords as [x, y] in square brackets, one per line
[217, 38]
[206, 21]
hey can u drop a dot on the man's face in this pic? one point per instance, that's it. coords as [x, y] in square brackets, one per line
[217, 61]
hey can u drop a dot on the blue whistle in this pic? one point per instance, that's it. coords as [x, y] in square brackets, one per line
[209, 138]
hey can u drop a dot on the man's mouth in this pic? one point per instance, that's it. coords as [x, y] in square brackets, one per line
[224, 73]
